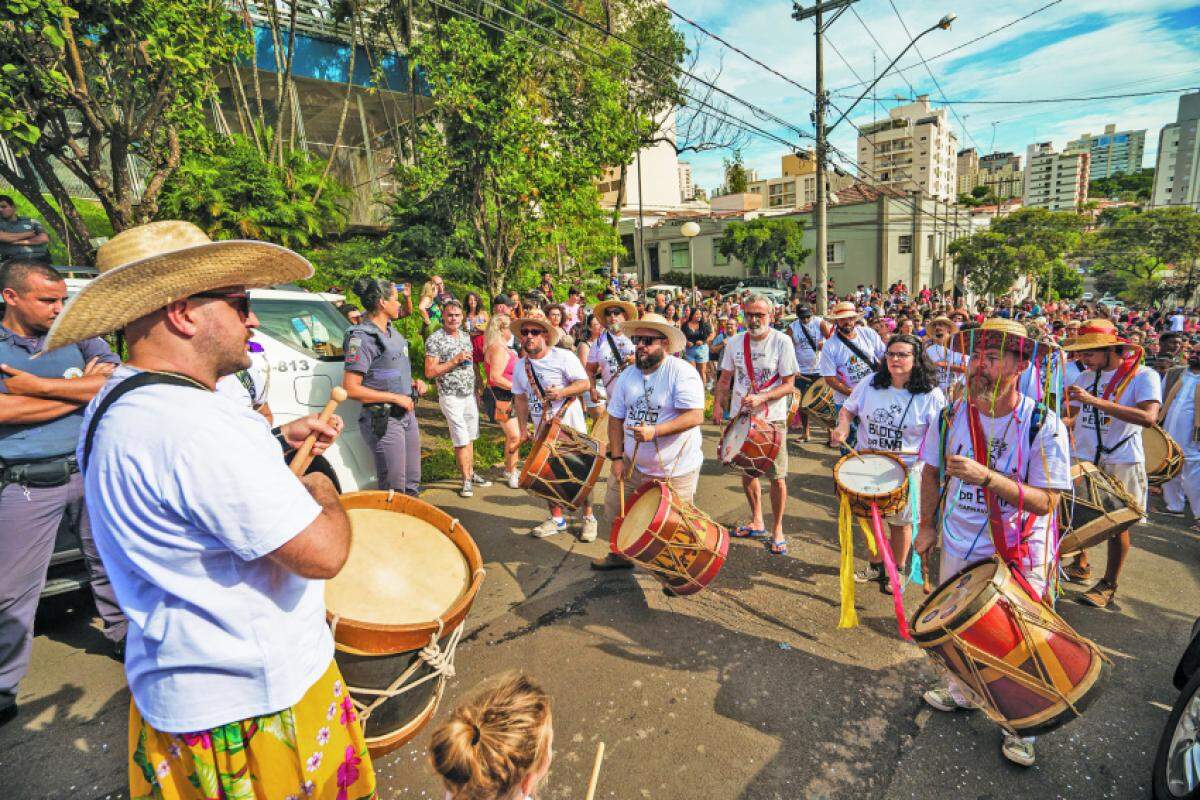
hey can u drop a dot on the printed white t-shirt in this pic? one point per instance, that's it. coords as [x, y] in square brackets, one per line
[1125, 437]
[773, 355]
[1181, 416]
[187, 492]
[893, 419]
[556, 369]
[601, 352]
[1044, 464]
[661, 396]
[839, 361]
[806, 356]
[940, 354]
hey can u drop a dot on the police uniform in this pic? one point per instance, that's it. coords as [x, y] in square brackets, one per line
[381, 357]
[39, 483]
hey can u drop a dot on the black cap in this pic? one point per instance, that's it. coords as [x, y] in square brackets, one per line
[803, 311]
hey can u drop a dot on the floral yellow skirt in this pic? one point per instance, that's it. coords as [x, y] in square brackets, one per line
[311, 751]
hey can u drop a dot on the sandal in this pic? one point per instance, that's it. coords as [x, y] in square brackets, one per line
[777, 548]
[746, 532]
[1076, 573]
[1101, 595]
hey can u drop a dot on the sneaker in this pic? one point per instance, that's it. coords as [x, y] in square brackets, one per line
[514, 480]
[872, 572]
[8, 712]
[590, 529]
[479, 481]
[1076, 573]
[1101, 595]
[548, 528]
[466, 490]
[611, 561]
[1018, 750]
[944, 700]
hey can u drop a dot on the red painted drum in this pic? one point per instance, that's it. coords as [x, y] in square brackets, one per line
[749, 443]
[563, 465]
[1026, 665]
[672, 538]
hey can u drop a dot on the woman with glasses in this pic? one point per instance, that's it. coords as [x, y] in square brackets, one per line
[587, 334]
[894, 408]
[379, 375]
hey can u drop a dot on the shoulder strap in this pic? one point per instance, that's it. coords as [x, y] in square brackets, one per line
[120, 390]
[853, 348]
[804, 329]
[534, 381]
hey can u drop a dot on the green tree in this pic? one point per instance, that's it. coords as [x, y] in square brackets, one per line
[1124, 186]
[736, 179]
[765, 244]
[90, 87]
[1142, 246]
[1041, 238]
[990, 264]
[1063, 282]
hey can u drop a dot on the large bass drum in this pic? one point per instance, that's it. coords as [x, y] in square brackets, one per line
[563, 464]
[1097, 509]
[1164, 457]
[751, 444]
[397, 610]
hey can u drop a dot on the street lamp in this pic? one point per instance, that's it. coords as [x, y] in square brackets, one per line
[691, 230]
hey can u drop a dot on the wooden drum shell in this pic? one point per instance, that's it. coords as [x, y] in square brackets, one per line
[758, 451]
[542, 472]
[1097, 509]
[890, 503]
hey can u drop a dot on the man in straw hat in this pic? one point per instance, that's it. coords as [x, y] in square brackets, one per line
[759, 367]
[217, 553]
[992, 477]
[851, 354]
[1111, 401]
[655, 413]
[613, 351]
[937, 346]
[547, 380]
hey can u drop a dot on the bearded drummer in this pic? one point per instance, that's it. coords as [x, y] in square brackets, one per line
[1001, 462]
[545, 379]
[654, 418]
[1111, 401]
[613, 351]
[852, 353]
[949, 364]
[759, 366]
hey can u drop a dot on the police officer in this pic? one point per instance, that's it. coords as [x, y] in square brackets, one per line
[21, 237]
[41, 405]
[379, 375]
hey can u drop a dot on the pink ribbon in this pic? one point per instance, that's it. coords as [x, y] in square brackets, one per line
[889, 563]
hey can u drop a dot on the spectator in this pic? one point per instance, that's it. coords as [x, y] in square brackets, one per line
[499, 358]
[448, 360]
[475, 316]
[21, 237]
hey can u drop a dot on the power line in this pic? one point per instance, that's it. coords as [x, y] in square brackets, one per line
[899, 71]
[1037, 100]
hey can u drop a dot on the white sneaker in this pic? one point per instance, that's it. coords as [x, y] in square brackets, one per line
[590, 528]
[944, 700]
[1018, 750]
[479, 480]
[514, 480]
[548, 528]
[466, 490]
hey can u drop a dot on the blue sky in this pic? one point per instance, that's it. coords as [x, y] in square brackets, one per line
[1074, 48]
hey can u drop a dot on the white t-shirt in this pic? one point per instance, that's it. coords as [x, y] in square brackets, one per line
[1181, 416]
[1145, 385]
[601, 353]
[661, 396]
[556, 369]
[940, 353]
[838, 361]
[773, 355]
[893, 419]
[187, 491]
[1046, 464]
[1177, 322]
[806, 356]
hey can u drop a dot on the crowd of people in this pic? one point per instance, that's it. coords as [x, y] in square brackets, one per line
[191, 519]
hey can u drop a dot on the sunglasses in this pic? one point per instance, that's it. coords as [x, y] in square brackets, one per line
[612, 312]
[647, 340]
[532, 331]
[239, 300]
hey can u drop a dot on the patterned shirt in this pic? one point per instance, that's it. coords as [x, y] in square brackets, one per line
[460, 381]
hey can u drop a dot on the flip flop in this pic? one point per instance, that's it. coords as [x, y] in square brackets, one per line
[777, 548]
[746, 532]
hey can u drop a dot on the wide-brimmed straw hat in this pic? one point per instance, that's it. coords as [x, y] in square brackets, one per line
[843, 310]
[1011, 336]
[1093, 335]
[941, 319]
[630, 309]
[145, 268]
[676, 341]
[538, 320]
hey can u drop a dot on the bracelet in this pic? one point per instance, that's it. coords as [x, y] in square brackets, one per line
[615, 456]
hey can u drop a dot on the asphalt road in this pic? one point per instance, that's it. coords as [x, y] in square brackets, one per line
[745, 691]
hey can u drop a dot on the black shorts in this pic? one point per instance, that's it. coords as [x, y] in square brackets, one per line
[804, 381]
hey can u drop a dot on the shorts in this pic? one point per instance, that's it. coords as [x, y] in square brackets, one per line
[805, 380]
[696, 353]
[1133, 478]
[462, 416]
[779, 467]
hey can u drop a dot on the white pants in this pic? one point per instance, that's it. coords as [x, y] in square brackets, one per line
[1184, 489]
[462, 417]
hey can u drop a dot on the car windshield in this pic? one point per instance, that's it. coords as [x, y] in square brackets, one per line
[313, 327]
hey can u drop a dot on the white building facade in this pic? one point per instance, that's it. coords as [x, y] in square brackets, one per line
[913, 150]
[1057, 181]
[1177, 172]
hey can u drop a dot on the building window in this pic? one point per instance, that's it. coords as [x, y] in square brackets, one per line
[680, 257]
[719, 259]
[904, 244]
[835, 252]
[929, 243]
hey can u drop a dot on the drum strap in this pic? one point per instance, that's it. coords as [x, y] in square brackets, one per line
[754, 387]
[1101, 450]
[123, 388]
[811, 341]
[856, 350]
[618, 359]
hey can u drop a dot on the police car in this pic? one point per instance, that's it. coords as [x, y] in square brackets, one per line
[301, 336]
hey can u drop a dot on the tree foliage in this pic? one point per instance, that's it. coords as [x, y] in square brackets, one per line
[1140, 247]
[765, 244]
[736, 177]
[1124, 186]
[989, 263]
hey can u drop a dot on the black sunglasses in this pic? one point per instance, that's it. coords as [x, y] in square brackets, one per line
[612, 312]
[239, 300]
[532, 331]
[647, 340]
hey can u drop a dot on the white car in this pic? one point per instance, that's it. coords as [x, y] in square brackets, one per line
[1087, 297]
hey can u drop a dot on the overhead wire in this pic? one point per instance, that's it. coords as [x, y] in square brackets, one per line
[1038, 100]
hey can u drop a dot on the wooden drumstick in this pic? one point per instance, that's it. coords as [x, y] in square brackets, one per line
[853, 452]
[591, 790]
[303, 456]
[926, 586]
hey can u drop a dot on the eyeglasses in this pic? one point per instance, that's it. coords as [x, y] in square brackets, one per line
[647, 340]
[612, 312]
[899, 356]
[532, 331]
[239, 300]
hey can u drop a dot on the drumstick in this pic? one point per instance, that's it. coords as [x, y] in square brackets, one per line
[853, 452]
[926, 587]
[303, 456]
[591, 790]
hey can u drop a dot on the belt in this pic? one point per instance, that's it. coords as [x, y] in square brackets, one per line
[394, 411]
[43, 473]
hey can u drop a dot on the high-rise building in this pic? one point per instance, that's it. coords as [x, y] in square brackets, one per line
[795, 164]
[1001, 174]
[686, 189]
[968, 170]
[1111, 152]
[913, 150]
[1177, 173]
[1057, 181]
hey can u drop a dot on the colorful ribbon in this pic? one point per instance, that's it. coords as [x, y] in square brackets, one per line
[849, 618]
[889, 563]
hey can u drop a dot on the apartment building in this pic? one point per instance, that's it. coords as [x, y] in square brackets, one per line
[797, 188]
[687, 190]
[968, 170]
[1057, 181]
[1177, 172]
[1111, 152]
[1001, 173]
[913, 150]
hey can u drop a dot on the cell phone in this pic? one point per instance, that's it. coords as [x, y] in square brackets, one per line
[400, 287]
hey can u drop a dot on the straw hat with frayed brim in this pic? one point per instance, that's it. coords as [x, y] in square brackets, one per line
[600, 308]
[941, 320]
[553, 334]
[145, 268]
[843, 311]
[995, 332]
[656, 323]
[1094, 335]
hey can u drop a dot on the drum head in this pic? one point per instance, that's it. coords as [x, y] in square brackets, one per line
[401, 571]
[953, 597]
[819, 387]
[870, 474]
[735, 436]
[1155, 444]
[639, 516]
